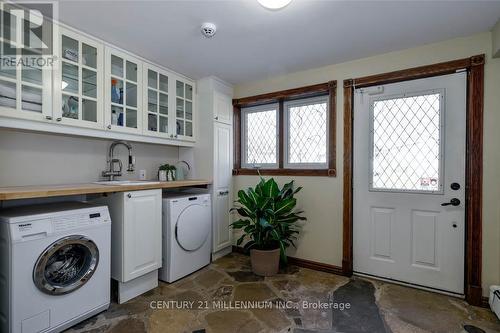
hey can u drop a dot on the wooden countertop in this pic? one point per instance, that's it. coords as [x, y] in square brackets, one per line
[42, 191]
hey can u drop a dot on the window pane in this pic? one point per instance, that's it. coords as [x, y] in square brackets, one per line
[89, 87]
[89, 110]
[261, 131]
[116, 116]
[89, 55]
[70, 78]
[131, 71]
[406, 143]
[179, 86]
[152, 79]
[116, 66]
[70, 107]
[7, 94]
[31, 72]
[131, 94]
[307, 133]
[69, 48]
[131, 118]
[32, 99]
[163, 124]
[163, 104]
[152, 122]
[163, 83]
[152, 101]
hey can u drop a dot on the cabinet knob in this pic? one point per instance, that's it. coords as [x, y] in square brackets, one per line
[109, 126]
[217, 118]
[59, 119]
[48, 117]
[129, 195]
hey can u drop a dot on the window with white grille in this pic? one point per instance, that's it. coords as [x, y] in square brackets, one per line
[306, 133]
[260, 136]
[406, 143]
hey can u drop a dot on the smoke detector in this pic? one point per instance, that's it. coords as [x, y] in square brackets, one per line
[208, 29]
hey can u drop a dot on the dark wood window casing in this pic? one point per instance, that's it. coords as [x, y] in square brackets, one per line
[328, 88]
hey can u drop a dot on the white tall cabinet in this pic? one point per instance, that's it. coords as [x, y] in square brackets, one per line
[213, 155]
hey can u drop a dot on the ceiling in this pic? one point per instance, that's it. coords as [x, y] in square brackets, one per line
[253, 43]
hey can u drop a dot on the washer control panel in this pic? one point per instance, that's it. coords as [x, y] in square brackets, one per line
[42, 226]
[75, 221]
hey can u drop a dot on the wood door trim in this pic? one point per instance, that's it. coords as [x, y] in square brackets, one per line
[474, 160]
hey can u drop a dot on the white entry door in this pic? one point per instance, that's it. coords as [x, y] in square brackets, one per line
[409, 182]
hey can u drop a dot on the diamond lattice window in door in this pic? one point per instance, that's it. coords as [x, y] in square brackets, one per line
[406, 146]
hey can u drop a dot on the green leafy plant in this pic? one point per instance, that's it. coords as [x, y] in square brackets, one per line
[268, 216]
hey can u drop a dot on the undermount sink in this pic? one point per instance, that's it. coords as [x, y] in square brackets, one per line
[126, 182]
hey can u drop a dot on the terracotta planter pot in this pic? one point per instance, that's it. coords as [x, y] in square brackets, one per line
[265, 263]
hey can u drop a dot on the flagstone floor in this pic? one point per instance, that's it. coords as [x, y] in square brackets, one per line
[226, 297]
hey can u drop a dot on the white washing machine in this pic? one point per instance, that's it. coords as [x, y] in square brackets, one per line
[54, 266]
[187, 226]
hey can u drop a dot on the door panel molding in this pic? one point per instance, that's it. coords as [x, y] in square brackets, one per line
[474, 160]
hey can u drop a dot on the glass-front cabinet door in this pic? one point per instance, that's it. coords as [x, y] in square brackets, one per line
[25, 74]
[184, 106]
[78, 85]
[158, 120]
[123, 92]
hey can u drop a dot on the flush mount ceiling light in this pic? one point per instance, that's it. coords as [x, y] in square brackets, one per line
[274, 4]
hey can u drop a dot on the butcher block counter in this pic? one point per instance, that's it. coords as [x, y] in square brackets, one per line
[44, 191]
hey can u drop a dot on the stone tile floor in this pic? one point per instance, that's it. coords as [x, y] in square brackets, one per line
[206, 301]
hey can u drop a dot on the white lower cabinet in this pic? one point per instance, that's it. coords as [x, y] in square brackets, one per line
[222, 233]
[136, 238]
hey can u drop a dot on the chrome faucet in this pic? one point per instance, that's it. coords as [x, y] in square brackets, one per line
[111, 172]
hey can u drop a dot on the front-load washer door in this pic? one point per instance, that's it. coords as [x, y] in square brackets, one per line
[193, 227]
[66, 265]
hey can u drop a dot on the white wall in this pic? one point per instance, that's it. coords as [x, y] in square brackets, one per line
[36, 159]
[495, 39]
[322, 197]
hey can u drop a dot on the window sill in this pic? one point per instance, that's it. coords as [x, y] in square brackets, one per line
[286, 172]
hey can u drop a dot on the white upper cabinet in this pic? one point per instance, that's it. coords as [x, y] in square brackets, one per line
[25, 88]
[184, 110]
[97, 90]
[223, 108]
[78, 81]
[158, 116]
[123, 92]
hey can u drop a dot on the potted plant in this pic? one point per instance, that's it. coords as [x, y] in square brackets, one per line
[268, 219]
[166, 172]
[162, 172]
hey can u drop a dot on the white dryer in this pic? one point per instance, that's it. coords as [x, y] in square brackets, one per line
[187, 225]
[54, 266]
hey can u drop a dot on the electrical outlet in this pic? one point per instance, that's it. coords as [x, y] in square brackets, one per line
[142, 174]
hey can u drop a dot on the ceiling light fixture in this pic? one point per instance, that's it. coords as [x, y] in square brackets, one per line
[274, 4]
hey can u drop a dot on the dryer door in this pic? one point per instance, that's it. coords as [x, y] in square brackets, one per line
[193, 227]
[66, 265]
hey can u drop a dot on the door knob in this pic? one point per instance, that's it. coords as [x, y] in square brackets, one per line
[453, 202]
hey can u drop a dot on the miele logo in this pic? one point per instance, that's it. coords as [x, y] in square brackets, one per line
[24, 226]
